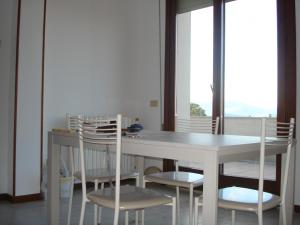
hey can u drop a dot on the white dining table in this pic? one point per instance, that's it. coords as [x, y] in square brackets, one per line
[208, 149]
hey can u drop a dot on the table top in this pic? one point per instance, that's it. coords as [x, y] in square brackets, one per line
[195, 139]
[196, 143]
[216, 142]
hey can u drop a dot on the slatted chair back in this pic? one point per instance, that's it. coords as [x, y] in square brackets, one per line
[106, 133]
[284, 138]
[198, 125]
[95, 159]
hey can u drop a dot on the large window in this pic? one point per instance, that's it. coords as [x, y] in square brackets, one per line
[234, 60]
[194, 63]
[202, 59]
[194, 70]
[250, 76]
[251, 58]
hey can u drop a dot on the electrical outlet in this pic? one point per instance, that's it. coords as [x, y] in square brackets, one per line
[153, 103]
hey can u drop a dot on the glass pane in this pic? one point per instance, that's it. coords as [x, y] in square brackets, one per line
[194, 70]
[194, 63]
[250, 74]
[202, 61]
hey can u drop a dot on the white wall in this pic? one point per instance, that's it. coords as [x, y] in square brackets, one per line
[88, 58]
[297, 174]
[29, 98]
[146, 82]
[102, 57]
[8, 11]
[111, 53]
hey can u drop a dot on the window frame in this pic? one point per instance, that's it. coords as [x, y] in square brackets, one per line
[286, 85]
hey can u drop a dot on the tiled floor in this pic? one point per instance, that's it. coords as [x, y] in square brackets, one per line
[35, 213]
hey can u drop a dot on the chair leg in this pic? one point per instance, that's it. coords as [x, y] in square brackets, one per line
[116, 216]
[70, 202]
[82, 212]
[137, 183]
[144, 183]
[178, 205]
[126, 217]
[143, 211]
[143, 217]
[232, 217]
[196, 210]
[100, 208]
[260, 217]
[96, 206]
[174, 211]
[136, 217]
[191, 205]
[283, 209]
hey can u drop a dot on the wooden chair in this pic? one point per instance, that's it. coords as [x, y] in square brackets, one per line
[96, 163]
[119, 198]
[185, 179]
[257, 201]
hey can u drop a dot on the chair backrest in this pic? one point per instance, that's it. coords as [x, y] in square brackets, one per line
[72, 121]
[94, 159]
[284, 138]
[103, 132]
[198, 125]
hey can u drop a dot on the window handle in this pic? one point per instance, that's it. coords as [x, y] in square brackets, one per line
[212, 89]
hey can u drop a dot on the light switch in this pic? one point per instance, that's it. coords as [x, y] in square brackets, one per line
[153, 103]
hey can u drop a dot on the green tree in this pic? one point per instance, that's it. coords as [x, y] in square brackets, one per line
[196, 110]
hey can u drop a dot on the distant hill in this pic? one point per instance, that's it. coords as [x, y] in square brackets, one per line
[239, 109]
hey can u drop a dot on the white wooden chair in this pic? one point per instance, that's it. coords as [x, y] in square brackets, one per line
[96, 163]
[185, 179]
[257, 201]
[119, 198]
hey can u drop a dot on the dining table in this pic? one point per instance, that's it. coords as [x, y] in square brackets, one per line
[208, 149]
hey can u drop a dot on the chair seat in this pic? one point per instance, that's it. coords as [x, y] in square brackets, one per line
[245, 199]
[131, 197]
[104, 175]
[181, 179]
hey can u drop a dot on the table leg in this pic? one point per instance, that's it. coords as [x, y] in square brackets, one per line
[289, 203]
[53, 182]
[210, 189]
[140, 163]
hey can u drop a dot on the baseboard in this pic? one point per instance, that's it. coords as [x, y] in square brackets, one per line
[297, 208]
[22, 198]
[27, 198]
[5, 197]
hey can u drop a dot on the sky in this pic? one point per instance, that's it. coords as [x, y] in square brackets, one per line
[250, 58]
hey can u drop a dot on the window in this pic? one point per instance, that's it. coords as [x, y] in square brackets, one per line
[284, 86]
[250, 77]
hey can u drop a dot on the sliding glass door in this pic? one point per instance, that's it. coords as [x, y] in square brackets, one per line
[194, 70]
[222, 60]
[250, 76]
